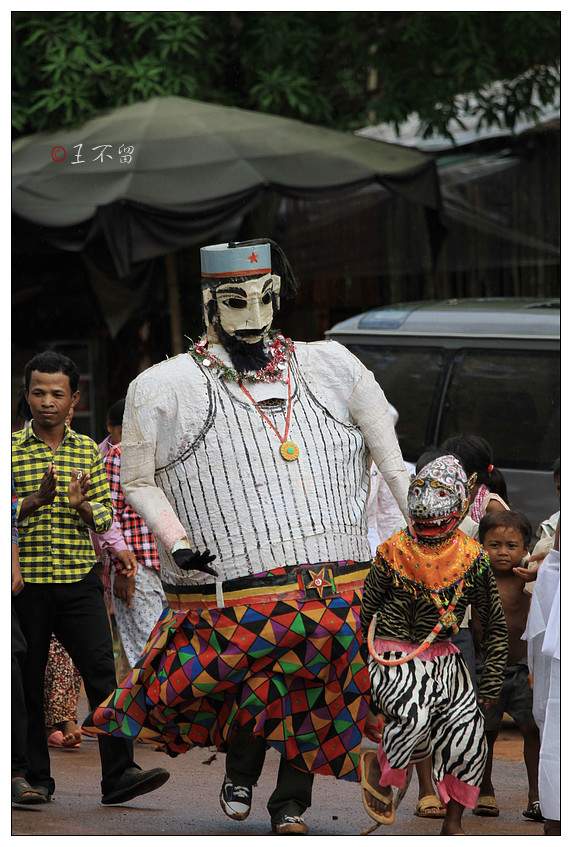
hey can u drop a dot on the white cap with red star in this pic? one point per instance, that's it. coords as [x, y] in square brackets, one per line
[227, 260]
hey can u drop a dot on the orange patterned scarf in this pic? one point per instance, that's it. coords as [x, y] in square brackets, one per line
[431, 569]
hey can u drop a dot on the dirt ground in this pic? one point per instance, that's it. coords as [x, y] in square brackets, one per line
[188, 803]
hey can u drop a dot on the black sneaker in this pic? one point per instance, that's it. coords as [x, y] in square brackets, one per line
[235, 800]
[133, 782]
[290, 825]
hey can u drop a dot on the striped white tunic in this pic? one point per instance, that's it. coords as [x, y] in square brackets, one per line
[198, 460]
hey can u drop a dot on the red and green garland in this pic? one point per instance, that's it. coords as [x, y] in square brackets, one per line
[280, 348]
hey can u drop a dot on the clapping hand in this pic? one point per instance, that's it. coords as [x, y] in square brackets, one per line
[48, 489]
[78, 488]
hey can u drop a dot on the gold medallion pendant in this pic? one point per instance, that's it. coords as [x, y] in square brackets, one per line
[289, 451]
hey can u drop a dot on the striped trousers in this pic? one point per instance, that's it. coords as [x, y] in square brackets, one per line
[429, 708]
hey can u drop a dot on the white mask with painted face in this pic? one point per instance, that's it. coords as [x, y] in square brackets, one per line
[244, 309]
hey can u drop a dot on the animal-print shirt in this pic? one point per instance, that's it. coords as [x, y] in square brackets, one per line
[406, 617]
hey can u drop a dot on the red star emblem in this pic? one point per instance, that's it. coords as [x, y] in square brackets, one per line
[319, 581]
[253, 257]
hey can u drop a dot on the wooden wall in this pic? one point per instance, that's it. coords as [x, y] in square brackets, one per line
[502, 239]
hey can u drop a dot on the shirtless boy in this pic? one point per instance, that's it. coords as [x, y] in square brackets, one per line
[506, 536]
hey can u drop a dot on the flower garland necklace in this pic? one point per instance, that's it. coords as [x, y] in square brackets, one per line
[278, 368]
[279, 347]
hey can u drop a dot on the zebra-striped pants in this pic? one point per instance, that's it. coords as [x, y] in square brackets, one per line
[429, 708]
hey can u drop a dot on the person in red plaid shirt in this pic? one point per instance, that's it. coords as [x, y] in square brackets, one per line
[139, 600]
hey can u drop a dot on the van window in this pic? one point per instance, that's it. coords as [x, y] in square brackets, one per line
[510, 398]
[409, 378]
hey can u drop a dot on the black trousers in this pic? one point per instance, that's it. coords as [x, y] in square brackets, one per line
[244, 761]
[19, 715]
[75, 613]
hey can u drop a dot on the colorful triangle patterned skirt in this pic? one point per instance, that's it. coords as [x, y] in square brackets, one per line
[289, 671]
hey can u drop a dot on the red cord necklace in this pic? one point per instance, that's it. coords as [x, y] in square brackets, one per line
[288, 450]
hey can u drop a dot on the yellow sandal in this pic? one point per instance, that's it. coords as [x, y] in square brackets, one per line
[374, 791]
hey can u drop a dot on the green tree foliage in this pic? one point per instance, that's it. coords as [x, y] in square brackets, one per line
[70, 66]
[338, 69]
[423, 63]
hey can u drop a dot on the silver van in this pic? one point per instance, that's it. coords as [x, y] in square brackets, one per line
[486, 366]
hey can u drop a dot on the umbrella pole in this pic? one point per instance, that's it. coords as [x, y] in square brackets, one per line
[174, 304]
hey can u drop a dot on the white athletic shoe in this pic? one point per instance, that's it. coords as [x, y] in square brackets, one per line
[235, 800]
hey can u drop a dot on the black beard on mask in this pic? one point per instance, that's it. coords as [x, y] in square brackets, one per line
[244, 356]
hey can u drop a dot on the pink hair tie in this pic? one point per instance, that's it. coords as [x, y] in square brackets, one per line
[489, 469]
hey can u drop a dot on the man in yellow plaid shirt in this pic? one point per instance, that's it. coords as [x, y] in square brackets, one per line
[63, 492]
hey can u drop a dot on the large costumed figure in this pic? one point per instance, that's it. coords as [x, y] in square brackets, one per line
[414, 598]
[248, 458]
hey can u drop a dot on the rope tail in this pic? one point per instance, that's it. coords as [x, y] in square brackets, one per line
[401, 661]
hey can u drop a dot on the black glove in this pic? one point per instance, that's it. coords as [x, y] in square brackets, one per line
[192, 560]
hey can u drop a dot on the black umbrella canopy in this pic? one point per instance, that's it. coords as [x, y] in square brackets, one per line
[167, 173]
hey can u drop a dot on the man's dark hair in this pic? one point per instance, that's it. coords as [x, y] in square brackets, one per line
[50, 362]
[556, 468]
[509, 520]
[115, 414]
